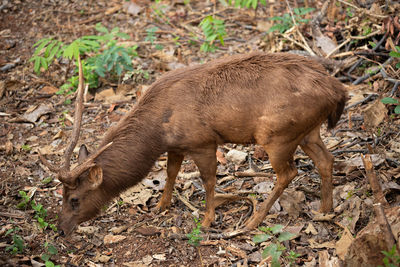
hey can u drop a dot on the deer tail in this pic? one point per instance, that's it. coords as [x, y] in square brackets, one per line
[334, 116]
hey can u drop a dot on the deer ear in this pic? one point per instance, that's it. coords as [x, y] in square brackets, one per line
[83, 154]
[95, 176]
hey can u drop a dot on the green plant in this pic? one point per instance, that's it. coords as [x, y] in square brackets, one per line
[25, 200]
[105, 56]
[275, 248]
[213, 29]
[393, 101]
[392, 258]
[194, 235]
[396, 54]
[292, 256]
[286, 21]
[26, 148]
[244, 3]
[47, 180]
[17, 245]
[151, 37]
[40, 211]
[51, 250]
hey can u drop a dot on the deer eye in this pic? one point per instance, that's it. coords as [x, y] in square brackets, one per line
[74, 203]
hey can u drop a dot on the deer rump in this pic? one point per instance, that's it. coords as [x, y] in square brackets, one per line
[276, 100]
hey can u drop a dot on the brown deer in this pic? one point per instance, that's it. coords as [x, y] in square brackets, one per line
[276, 100]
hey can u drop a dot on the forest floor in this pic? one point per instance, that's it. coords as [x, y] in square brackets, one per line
[359, 42]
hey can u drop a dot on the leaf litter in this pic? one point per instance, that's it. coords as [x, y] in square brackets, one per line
[128, 233]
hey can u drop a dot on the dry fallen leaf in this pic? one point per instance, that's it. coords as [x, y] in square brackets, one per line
[34, 112]
[374, 114]
[291, 201]
[111, 239]
[344, 243]
[311, 229]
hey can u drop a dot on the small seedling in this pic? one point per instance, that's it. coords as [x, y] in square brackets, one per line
[392, 101]
[214, 30]
[47, 180]
[292, 256]
[105, 56]
[25, 200]
[26, 148]
[285, 22]
[391, 259]
[275, 249]
[17, 245]
[50, 251]
[396, 54]
[244, 3]
[194, 235]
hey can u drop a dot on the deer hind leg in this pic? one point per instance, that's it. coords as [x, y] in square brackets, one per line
[206, 161]
[173, 166]
[281, 158]
[313, 146]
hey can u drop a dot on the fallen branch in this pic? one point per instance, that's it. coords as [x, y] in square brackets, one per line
[379, 197]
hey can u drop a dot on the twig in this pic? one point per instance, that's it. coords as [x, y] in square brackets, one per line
[216, 236]
[253, 174]
[306, 46]
[185, 201]
[396, 85]
[379, 197]
[206, 15]
[361, 59]
[342, 151]
[366, 76]
[347, 3]
[361, 101]
[384, 226]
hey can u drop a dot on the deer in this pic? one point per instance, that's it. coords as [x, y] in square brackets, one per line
[276, 100]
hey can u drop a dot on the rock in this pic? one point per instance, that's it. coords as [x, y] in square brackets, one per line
[236, 156]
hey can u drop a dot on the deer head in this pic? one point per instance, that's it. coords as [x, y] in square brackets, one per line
[82, 181]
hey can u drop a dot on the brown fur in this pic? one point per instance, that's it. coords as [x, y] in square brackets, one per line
[276, 100]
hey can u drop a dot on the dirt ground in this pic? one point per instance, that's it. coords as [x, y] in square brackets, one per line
[128, 233]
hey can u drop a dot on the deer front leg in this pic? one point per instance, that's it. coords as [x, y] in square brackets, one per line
[206, 161]
[173, 166]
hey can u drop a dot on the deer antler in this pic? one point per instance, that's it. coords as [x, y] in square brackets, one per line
[77, 118]
[75, 131]
[66, 175]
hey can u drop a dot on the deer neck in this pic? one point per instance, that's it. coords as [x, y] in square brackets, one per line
[137, 143]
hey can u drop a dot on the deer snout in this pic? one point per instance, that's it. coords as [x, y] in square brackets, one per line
[66, 225]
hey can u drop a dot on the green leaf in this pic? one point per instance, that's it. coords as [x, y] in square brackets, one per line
[49, 47]
[276, 228]
[47, 180]
[123, 35]
[52, 249]
[285, 236]
[49, 264]
[101, 28]
[261, 238]
[397, 110]
[36, 65]
[41, 45]
[43, 63]
[389, 100]
[45, 257]
[54, 51]
[394, 54]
